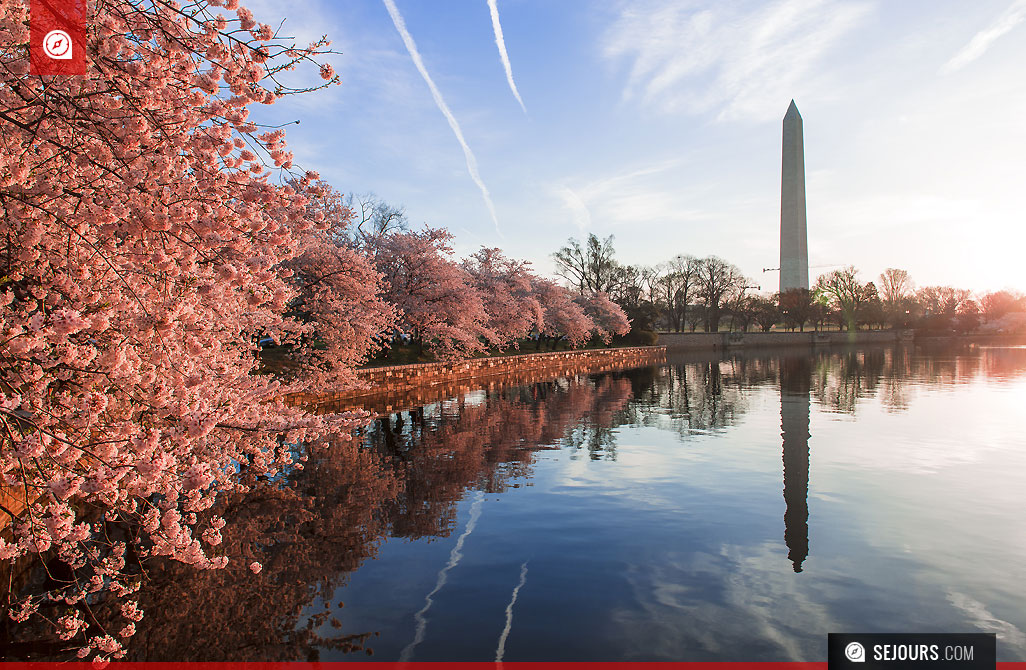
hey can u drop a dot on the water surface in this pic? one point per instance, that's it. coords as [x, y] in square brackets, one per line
[713, 508]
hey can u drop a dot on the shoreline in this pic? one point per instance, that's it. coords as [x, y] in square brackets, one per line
[411, 378]
[386, 387]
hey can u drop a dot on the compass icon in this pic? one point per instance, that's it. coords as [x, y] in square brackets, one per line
[57, 45]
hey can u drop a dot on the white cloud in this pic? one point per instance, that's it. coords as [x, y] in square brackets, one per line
[984, 620]
[411, 47]
[983, 40]
[573, 202]
[638, 197]
[737, 64]
[501, 43]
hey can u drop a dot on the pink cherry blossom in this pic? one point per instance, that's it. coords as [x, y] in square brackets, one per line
[143, 238]
[435, 297]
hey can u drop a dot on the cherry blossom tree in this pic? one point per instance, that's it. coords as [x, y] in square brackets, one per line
[606, 316]
[561, 316]
[339, 294]
[141, 246]
[434, 296]
[504, 285]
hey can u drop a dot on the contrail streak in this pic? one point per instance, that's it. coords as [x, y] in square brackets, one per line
[454, 558]
[411, 47]
[982, 41]
[501, 43]
[501, 650]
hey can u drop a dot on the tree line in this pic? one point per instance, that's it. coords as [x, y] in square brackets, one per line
[365, 281]
[688, 293]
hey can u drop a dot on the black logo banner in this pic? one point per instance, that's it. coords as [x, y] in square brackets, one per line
[872, 651]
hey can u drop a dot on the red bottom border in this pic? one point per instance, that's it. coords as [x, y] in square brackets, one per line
[416, 665]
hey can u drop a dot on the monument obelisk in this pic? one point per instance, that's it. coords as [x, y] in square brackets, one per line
[794, 250]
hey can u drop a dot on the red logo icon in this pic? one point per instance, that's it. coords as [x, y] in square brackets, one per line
[58, 30]
[57, 45]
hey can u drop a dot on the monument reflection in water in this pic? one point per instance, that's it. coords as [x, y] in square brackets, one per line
[630, 515]
[795, 390]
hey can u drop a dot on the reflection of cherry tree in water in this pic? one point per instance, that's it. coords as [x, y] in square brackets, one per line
[594, 431]
[310, 534]
[311, 531]
[306, 534]
[289, 542]
[1001, 363]
[953, 364]
[484, 440]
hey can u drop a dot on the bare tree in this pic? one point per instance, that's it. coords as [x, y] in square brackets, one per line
[591, 267]
[942, 300]
[717, 280]
[628, 290]
[895, 295]
[372, 216]
[650, 277]
[995, 305]
[845, 292]
[678, 286]
[765, 312]
[695, 316]
[796, 305]
[742, 307]
[895, 286]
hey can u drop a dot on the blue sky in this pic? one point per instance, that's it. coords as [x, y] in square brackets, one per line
[659, 123]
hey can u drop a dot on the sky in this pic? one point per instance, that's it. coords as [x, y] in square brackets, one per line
[659, 122]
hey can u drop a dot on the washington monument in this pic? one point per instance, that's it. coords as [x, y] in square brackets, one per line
[794, 250]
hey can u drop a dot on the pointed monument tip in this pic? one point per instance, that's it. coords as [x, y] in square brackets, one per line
[792, 110]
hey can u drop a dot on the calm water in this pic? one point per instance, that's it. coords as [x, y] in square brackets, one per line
[735, 508]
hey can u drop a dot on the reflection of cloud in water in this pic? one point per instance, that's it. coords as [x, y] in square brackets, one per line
[501, 650]
[454, 558]
[980, 616]
[965, 442]
[674, 616]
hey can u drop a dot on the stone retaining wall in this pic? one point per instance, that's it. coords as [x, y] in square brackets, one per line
[400, 381]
